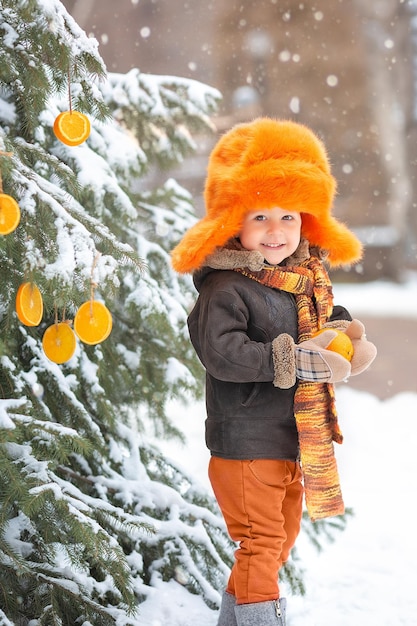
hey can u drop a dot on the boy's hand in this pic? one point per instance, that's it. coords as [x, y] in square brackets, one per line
[364, 352]
[314, 363]
[308, 361]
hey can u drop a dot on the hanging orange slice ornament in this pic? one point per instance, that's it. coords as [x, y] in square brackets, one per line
[72, 127]
[93, 322]
[29, 304]
[59, 342]
[9, 214]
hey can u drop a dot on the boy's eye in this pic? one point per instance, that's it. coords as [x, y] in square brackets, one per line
[260, 218]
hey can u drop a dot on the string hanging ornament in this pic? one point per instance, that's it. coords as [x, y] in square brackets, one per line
[29, 304]
[93, 321]
[59, 341]
[9, 208]
[71, 127]
[92, 325]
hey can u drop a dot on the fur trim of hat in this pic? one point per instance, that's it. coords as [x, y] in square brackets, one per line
[260, 165]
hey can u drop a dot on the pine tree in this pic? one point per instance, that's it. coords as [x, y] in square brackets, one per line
[91, 513]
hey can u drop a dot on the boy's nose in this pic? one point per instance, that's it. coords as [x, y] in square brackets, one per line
[274, 227]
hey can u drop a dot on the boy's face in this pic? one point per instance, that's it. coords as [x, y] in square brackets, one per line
[275, 233]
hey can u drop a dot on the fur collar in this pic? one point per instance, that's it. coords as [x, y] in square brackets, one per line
[234, 256]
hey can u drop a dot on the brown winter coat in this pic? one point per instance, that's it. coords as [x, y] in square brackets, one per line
[232, 326]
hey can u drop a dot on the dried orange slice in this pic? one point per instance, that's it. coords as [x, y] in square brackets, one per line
[72, 127]
[29, 304]
[9, 214]
[93, 322]
[59, 342]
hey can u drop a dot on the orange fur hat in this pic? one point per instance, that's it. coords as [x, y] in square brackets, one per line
[260, 165]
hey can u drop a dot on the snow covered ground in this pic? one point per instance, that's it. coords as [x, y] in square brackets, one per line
[368, 576]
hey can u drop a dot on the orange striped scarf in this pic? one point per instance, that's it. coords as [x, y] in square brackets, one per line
[314, 403]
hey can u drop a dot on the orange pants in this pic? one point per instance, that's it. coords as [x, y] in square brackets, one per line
[261, 502]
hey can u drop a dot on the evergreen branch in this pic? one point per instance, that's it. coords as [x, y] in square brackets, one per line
[326, 528]
[69, 599]
[10, 558]
[73, 215]
[91, 509]
[4, 621]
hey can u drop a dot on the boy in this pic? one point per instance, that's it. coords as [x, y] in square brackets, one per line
[257, 262]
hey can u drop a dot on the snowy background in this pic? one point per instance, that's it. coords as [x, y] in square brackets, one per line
[367, 577]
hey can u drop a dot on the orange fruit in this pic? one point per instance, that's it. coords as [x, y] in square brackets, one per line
[341, 344]
[72, 127]
[9, 214]
[93, 322]
[59, 342]
[29, 304]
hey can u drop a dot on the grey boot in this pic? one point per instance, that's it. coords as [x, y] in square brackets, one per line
[227, 615]
[271, 613]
